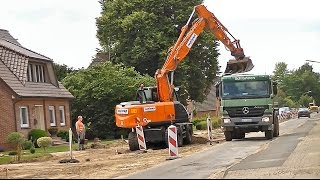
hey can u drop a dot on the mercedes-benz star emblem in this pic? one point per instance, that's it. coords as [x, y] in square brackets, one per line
[245, 110]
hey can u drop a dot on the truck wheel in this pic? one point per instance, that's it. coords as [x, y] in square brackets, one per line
[133, 141]
[188, 138]
[268, 134]
[228, 135]
[276, 127]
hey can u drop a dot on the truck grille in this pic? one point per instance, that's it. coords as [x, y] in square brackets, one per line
[246, 111]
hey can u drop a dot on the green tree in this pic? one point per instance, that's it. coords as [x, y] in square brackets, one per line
[17, 139]
[98, 89]
[139, 33]
[280, 98]
[303, 80]
[296, 84]
[62, 70]
[305, 100]
[280, 72]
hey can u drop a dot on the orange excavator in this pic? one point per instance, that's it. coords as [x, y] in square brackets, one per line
[158, 107]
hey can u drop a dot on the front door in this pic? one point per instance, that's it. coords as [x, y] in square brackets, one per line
[39, 117]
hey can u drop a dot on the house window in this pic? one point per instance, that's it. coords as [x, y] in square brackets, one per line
[24, 116]
[35, 73]
[62, 116]
[52, 116]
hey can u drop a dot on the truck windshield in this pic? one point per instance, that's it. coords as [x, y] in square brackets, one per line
[245, 89]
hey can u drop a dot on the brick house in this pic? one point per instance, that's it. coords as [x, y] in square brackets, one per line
[209, 106]
[30, 95]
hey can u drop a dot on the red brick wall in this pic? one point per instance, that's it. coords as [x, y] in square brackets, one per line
[7, 122]
[31, 103]
[56, 103]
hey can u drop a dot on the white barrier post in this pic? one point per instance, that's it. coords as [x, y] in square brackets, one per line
[140, 136]
[70, 142]
[209, 127]
[172, 142]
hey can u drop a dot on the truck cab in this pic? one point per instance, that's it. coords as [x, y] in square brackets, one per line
[247, 105]
[313, 107]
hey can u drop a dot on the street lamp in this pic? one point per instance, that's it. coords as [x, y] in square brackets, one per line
[312, 61]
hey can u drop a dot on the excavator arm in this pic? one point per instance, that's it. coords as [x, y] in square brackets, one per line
[179, 51]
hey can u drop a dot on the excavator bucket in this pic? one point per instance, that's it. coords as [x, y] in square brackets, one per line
[239, 66]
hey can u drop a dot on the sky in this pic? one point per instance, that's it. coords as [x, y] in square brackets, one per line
[269, 31]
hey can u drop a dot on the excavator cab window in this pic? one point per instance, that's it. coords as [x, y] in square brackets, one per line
[175, 94]
[147, 95]
[141, 96]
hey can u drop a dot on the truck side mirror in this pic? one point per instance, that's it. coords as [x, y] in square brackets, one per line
[274, 88]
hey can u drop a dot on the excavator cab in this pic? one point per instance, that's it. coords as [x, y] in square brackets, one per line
[147, 94]
[150, 94]
[239, 66]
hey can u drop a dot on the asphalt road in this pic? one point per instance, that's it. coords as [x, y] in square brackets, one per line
[225, 160]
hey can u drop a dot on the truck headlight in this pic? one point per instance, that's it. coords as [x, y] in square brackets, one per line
[265, 119]
[226, 120]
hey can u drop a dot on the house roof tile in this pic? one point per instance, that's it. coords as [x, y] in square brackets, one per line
[32, 89]
[4, 34]
[16, 63]
[14, 60]
[22, 50]
[209, 103]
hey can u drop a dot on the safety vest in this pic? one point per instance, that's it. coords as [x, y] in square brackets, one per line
[79, 126]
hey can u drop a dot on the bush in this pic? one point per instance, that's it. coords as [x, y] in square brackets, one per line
[44, 142]
[53, 131]
[202, 125]
[27, 145]
[216, 122]
[12, 153]
[35, 134]
[63, 134]
[32, 150]
[17, 139]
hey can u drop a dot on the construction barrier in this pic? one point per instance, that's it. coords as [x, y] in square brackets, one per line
[172, 142]
[70, 142]
[209, 127]
[141, 139]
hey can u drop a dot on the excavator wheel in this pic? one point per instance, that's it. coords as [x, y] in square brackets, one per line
[133, 141]
[239, 66]
[188, 138]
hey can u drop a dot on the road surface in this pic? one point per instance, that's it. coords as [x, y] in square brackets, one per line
[294, 154]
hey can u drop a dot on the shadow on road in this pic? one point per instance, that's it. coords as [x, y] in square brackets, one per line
[252, 139]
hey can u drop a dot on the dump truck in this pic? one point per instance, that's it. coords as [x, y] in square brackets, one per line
[158, 107]
[247, 105]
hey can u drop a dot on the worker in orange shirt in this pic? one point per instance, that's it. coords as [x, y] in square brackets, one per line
[80, 128]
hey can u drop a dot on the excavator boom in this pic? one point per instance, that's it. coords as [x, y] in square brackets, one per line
[156, 108]
[187, 37]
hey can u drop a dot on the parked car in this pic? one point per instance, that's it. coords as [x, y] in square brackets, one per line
[303, 112]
